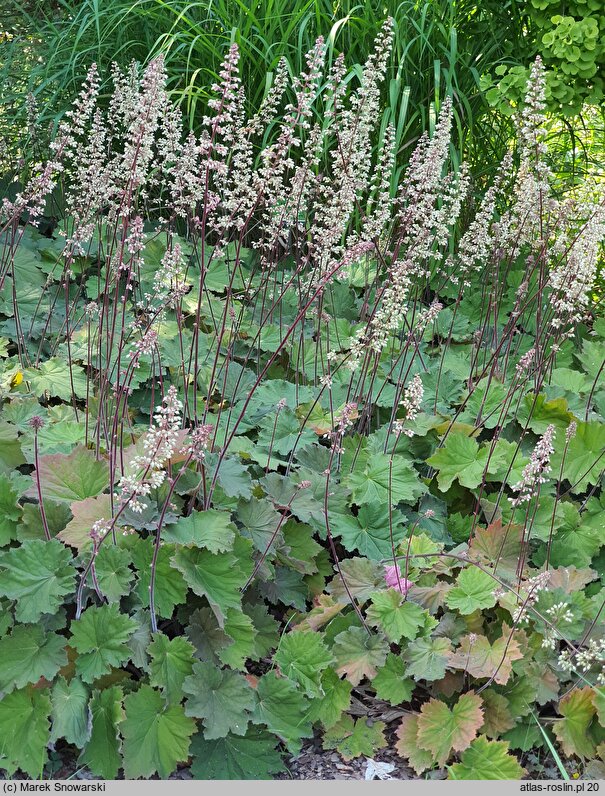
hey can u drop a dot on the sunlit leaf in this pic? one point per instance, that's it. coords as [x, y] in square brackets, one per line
[359, 654]
[474, 589]
[462, 459]
[577, 709]
[394, 615]
[441, 729]
[487, 760]
[302, 656]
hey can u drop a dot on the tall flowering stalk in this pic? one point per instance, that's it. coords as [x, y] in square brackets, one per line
[147, 471]
[535, 472]
[412, 398]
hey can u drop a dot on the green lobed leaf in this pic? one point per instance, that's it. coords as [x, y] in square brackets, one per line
[102, 752]
[29, 654]
[520, 693]
[397, 617]
[583, 461]
[575, 541]
[359, 654]
[355, 738]
[206, 636]
[71, 477]
[252, 757]
[474, 590]
[170, 586]
[427, 658]
[287, 587]
[266, 636]
[233, 478]
[336, 697]
[222, 698]
[171, 662]
[300, 550]
[538, 413]
[101, 637]
[362, 578]
[386, 480]
[58, 436]
[114, 575]
[211, 529]
[485, 403]
[524, 736]
[38, 575]
[283, 710]
[140, 640]
[463, 460]
[24, 731]
[487, 760]
[239, 627]
[156, 736]
[70, 711]
[370, 532]
[57, 378]
[282, 432]
[302, 656]
[391, 684]
[219, 577]
[30, 527]
[261, 522]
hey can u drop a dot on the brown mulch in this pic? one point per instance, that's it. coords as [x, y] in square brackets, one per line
[316, 763]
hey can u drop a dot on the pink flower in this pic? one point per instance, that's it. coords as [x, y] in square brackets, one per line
[392, 577]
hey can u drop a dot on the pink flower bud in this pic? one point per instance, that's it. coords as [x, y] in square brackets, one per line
[392, 577]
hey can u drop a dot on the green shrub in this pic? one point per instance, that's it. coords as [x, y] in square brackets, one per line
[571, 39]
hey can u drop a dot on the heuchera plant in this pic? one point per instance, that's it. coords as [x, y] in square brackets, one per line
[278, 429]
